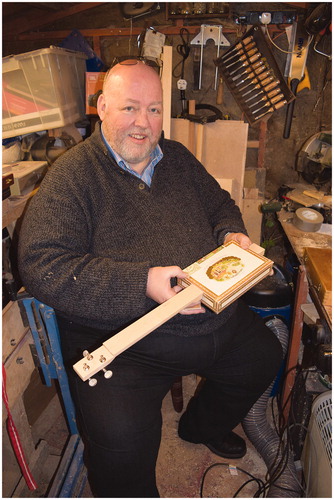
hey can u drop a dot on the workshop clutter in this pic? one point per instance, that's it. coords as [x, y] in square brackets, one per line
[251, 73]
[42, 89]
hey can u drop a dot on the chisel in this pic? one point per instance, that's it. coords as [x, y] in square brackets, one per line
[245, 56]
[239, 45]
[266, 96]
[255, 80]
[272, 109]
[256, 68]
[252, 59]
[240, 52]
[271, 85]
[276, 99]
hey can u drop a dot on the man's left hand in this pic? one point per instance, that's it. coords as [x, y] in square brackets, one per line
[240, 238]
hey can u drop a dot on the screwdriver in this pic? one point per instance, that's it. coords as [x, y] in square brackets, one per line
[242, 50]
[271, 85]
[272, 109]
[254, 58]
[271, 94]
[239, 45]
[255, 80]
[256, 67]
[243, 57]
[269, 103]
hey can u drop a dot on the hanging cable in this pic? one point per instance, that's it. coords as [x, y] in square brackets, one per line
[183, 49]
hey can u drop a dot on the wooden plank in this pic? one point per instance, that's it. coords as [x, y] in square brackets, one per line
[224, 148]
[166, 80]
[13, 329]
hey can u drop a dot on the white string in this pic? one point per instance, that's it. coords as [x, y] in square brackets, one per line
[287, 51]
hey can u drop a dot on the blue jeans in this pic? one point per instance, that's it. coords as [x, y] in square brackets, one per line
[120, 418]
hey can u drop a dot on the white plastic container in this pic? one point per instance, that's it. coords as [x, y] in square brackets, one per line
[42, 90]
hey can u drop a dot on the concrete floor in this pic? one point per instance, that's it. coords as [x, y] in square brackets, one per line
[181, 465]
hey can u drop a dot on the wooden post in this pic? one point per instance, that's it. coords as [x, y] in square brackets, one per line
[191, 127]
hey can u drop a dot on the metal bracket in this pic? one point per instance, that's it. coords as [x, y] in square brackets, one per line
[209, 32]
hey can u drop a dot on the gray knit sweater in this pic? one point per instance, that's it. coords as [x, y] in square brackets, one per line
[92, 232]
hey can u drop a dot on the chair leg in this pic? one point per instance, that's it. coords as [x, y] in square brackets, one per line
[177, 395]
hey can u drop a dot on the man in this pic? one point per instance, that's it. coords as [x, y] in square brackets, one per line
[115, 221]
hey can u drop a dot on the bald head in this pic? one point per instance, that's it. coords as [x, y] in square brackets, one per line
[130, 109]
[124, 71]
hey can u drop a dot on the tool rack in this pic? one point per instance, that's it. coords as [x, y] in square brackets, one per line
[251, 73]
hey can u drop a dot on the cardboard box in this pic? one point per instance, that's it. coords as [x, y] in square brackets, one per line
[94, 84]
[318, 263]
[225, 274]
[27, 175]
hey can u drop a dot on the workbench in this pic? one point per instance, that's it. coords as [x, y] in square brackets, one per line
[304, 294]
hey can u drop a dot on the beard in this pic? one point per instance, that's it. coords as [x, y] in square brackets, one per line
[130, 151]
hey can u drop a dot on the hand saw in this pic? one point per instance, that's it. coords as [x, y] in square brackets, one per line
[299, 43]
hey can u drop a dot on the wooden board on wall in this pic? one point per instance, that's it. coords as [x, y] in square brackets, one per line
[224, 149]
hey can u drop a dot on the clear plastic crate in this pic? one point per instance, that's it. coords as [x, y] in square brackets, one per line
[41, 90]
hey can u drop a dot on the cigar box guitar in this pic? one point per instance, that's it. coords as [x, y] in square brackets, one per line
[216, 280]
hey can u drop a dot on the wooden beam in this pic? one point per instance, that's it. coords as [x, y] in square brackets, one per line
[24, 23]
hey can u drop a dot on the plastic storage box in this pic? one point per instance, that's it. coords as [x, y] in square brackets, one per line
[42, 90]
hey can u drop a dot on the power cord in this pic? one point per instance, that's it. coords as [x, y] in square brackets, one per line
[183, 49]
[219, 464]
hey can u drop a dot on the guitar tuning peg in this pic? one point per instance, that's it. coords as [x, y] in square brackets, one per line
[87, 355]
[92, 382]
[107, 373]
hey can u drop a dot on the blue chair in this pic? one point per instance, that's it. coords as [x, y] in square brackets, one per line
[71, 476]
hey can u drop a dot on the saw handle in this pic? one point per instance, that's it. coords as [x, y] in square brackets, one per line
[289, 113]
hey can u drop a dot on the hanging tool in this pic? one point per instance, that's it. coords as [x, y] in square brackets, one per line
[214, 33]
[252, 59]
[269, 103]
[243, 57]
[255, 68]
[318, 23]
[255, 80]
[265, 97]
[271, 85]
[220, 91]
[238, 46]
[253, 96]
[300, 40]
[241, 51]
[183, 49]
[272, 109]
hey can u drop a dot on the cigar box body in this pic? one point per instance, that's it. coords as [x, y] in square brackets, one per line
[318, 263]
[225, 274]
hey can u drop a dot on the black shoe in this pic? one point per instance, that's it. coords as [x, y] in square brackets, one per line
[232, 446]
